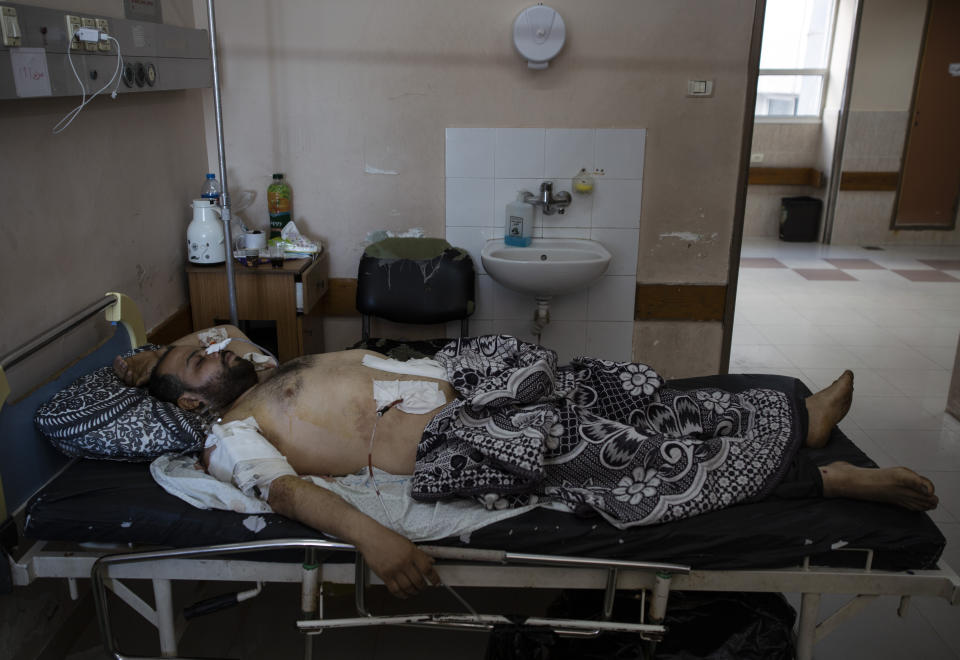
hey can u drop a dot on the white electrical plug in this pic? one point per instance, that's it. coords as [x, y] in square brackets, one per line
[89, 35]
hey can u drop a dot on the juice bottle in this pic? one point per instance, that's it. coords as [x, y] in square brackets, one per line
[279, 204]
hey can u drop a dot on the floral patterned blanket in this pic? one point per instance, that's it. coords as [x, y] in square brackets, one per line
[596, 436]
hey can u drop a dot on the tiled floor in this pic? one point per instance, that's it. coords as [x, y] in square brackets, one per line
[893, 316]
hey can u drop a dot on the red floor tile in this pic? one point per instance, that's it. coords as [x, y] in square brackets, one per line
[942, 264]
[926, 276]
[825, 274]
[855, 264]
[756, 262]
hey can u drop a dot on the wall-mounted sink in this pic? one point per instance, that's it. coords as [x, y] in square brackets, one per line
[548, 266]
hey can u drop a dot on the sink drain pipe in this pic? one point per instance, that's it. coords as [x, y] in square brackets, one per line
[541, 316]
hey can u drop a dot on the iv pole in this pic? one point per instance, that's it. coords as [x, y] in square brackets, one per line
[224, 195]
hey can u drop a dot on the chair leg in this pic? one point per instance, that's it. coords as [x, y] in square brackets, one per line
[464, 328]
[365, 326]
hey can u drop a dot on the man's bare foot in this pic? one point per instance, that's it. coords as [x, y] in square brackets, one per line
[827, 407]
[896, 485]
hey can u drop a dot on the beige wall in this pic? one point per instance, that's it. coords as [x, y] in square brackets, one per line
[101, 206]
[330, 92]
[890, 35]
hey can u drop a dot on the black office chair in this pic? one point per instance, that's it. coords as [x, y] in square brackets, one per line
[417, 281]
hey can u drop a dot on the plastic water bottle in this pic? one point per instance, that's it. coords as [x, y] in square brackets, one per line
[279, 204]
[211, 189]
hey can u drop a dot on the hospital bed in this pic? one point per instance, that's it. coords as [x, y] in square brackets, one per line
[108, 521]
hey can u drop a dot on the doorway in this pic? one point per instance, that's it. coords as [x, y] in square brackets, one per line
[929, 187]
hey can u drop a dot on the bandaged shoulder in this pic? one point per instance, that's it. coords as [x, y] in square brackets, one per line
[245, 458]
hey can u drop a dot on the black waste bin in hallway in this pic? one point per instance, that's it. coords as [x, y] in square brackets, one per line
[800, 218]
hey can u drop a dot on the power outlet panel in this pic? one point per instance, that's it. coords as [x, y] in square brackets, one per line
[74, 23]
[158, 57]
[104, 26]
[10, 26]
[92, 24]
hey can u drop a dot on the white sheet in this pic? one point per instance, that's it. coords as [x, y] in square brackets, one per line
[183, 476]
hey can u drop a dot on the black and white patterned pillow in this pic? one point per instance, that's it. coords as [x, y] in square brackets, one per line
[97, 416]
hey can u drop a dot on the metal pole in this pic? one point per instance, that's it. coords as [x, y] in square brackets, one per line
[224, 194]
[839, 143]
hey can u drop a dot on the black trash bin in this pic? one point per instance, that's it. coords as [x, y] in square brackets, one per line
[800, 218]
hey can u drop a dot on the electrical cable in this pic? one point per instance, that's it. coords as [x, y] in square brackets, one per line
[70, 116]
[373, 432]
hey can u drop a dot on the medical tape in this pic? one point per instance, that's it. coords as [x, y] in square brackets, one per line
[216, 348]
[245, 458]
[260, 361]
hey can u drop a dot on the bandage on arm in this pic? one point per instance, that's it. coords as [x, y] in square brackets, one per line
[243, 457]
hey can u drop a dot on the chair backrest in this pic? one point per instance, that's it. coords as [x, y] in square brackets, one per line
[416, 280]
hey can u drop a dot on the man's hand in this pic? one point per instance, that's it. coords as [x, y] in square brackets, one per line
[404, 568]
[136, 369]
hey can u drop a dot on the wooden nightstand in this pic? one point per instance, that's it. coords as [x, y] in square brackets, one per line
[263, 294]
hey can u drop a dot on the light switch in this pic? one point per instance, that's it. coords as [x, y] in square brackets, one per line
[699, 88]
[10, 26]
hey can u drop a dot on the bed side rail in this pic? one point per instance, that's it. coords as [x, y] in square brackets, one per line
[119, 309]
[101, 580]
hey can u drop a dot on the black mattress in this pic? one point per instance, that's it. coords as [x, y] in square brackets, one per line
[108, 502]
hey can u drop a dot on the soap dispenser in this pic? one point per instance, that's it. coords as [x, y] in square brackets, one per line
[518, 229]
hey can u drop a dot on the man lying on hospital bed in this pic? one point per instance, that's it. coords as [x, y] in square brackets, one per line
[331, 414]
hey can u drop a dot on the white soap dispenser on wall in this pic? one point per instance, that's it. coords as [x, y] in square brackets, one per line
[538, 34]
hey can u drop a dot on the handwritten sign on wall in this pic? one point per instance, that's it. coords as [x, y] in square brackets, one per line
[30, 74]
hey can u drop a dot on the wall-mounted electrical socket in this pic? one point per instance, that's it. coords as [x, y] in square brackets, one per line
[74, 23]
[756, 158]
[104, 26]
[10, 26]
[699, 88]
[92, 24]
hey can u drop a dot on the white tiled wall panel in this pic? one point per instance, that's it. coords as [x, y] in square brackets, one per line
[622, 244]
[568, 151]
[605, 340]
[469, 152]
[616, 203]
[485, 167]
[473, 202]
[519, 153]
[620, 153]
[611, 298]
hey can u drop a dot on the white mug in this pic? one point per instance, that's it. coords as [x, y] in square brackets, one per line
[255, 240]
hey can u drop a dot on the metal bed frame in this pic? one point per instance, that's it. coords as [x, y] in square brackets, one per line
[108, 568]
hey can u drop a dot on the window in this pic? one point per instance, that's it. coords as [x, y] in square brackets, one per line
[797, 37]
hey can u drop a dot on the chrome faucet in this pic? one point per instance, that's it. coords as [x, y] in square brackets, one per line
[547, 201]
